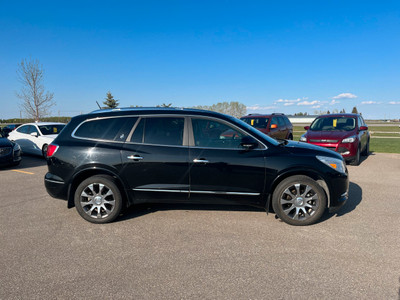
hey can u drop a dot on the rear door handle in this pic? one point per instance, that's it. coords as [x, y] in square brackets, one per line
[200, 160]
[135, 157]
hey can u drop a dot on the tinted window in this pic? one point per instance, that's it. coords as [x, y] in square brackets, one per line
[112, 129]
[32, 129]
[51, 129]
[274, 121]
[287, 121]
[256, 122]
[23, 129]
[281, 122]
[164, 131]
[137, 136]
[213, 134]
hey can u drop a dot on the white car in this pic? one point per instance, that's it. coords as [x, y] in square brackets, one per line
[35, 137]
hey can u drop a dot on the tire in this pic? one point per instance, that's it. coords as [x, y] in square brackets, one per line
[290, 137]
[299, 200]
[98, 199]
[366, 150]
[356, 159]
[44, 150]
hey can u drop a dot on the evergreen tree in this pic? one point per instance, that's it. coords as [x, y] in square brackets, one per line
[328, 112]
[354, 111]
[110, 102]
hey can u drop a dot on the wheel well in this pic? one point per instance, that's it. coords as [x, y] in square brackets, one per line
[89, 173]
[318, 178]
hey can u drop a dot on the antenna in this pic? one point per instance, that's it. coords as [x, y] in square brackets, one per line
[98, 105]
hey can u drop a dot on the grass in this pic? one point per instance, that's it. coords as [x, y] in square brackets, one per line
[383, 145]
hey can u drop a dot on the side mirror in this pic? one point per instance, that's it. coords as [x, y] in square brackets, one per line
[306, 127]
[363, 127]
[273, 126]
[35, 134]
[248, 143]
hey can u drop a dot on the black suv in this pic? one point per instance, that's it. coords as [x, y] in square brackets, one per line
[110, 159]
[275, 125]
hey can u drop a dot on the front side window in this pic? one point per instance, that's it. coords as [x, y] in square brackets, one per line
[213, 134]
[110, 129]
[159, 131]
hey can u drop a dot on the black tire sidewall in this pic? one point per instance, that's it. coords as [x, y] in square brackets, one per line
[303, 180]
[110, 183]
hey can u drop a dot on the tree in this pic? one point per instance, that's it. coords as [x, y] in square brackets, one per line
[232, 108]
[36, 102]
[328, 112]
[110, 102]
[165, 105]
[354, 111]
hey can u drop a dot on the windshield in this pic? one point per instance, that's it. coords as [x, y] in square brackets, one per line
[333, 123]
[51, 129]
[256, 122]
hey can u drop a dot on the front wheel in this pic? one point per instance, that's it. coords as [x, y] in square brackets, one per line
[366, 150]
[356, 159]
[98, 199]
[299, 200]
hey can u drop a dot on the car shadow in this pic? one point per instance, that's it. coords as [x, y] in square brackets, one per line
[28, 161]
[136, 211]
[355, 198]
[140, 210]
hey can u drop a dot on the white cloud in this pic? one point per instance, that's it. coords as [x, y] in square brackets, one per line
[333, 102]
[394, 102]
[315, 102]
[370, 102]
[316, 106]
[287, 101]
[259, 107]
[345, 96]
[288, 104]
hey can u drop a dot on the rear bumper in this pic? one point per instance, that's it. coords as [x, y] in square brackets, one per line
[55, 186]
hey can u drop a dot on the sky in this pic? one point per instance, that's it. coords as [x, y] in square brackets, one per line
[272, 56]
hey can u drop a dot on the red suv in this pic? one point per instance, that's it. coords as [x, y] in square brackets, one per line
[275, 125]
[344, 133]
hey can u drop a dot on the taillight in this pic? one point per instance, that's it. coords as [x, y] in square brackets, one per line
[51, 149]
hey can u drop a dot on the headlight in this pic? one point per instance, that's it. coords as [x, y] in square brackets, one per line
[334, 163]
[16, 147]
[303, 138]
[350, 139]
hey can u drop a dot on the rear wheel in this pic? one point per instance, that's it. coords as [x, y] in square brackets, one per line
[290, 137]
[98, 199]
[299, 200]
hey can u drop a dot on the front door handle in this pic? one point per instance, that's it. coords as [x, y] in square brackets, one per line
[135, 157]
[200, 160]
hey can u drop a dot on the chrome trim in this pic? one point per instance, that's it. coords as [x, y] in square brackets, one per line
[53, 181]
[160, 190]
[139, 116]
[197, 192]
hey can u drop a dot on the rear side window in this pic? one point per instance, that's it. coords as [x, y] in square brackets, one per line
[256, 122]
[23, 129]
[281, 122]
[159, 131]
[111, 129]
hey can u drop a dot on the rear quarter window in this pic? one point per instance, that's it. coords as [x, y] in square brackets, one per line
[110, 129]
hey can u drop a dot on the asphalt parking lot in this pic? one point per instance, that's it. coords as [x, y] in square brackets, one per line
[189, 252]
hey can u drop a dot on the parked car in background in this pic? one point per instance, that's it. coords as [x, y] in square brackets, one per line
[10, 152]
[110, 159]
[346, 134]
[275, 125]
[35, 137]
[8, 128]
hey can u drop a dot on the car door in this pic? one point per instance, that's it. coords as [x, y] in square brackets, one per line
[363, 134]
[221, 170]
[21, 136]
[155, 160]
